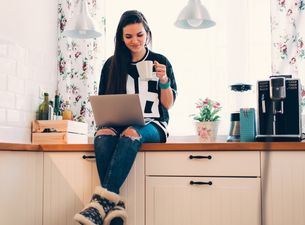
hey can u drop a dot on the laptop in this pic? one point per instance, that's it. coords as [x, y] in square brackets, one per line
[117, 110]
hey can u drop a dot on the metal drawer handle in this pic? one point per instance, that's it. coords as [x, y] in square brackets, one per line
[200, 157]
[88, 157]
[200, 183]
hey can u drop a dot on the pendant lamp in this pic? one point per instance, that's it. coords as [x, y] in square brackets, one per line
[194, 16]
[82, 25]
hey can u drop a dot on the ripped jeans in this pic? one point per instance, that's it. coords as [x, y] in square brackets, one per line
[115, 154]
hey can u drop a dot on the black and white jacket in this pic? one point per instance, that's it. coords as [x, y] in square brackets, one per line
[149, 91]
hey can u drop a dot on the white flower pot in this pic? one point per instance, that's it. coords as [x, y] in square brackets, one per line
[207, 130]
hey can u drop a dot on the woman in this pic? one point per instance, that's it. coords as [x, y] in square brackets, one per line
[116, 147]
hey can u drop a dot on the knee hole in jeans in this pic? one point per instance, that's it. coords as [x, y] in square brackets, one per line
[105, 131]
[131, 133]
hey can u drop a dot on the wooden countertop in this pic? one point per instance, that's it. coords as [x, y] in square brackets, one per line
[185, 143]
[19, 147]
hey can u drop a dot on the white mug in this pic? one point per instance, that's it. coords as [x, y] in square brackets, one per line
[145, 70]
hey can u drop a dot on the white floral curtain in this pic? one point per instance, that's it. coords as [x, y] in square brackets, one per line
[288, 34]
[80, 61]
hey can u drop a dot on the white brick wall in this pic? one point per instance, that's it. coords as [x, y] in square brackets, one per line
[2, 115]
[23, 73]
[7, 100]
[3, 83]
[18, 53]
[14, 117]
[15, 84]
[14, 134]
[3, 49]
[8, 66]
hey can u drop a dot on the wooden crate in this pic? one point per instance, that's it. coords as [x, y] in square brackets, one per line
[62, 132]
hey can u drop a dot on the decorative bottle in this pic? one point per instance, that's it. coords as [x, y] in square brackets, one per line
[51, 114]
[67, 113]
[57, 111]
[43, 110]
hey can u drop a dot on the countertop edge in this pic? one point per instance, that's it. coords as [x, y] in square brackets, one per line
[19, 147]
[183, 146]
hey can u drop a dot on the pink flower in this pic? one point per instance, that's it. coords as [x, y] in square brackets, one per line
[208, 110]
[292, 60]
[283, 48]
[216, 105]
[289, 12]
[77, 98]
[203, 132]
[84, 66]
[206, 101]
[300, 44]
[282, 2]
[62, 65]
[77, 54]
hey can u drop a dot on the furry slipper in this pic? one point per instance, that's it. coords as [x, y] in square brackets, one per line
[117, 211]
[101, 203]
[90, 215]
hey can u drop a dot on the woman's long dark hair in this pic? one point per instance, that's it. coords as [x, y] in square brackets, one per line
[122, 56]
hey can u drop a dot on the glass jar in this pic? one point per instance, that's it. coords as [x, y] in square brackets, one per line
[241, 96]
[67, 113]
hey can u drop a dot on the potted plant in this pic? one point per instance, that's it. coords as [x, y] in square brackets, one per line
[207, 119]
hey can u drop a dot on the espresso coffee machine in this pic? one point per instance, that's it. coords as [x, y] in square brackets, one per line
[279, 109]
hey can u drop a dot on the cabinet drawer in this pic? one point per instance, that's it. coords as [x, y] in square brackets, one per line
[217, 163]
[230, 201]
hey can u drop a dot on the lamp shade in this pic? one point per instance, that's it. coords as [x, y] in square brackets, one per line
[82, 25]
[194, 16]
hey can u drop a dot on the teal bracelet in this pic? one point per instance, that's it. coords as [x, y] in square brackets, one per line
[166, 85]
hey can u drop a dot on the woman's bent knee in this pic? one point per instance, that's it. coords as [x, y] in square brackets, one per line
[105, 131]
[131, 133]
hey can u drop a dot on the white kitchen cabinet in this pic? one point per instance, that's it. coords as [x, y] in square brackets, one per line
[133, 192]
[283, 187]
[21, 187]
[232, 198]
[69, 181]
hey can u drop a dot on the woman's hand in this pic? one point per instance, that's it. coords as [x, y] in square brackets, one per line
[167, 97]
[161, 72]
